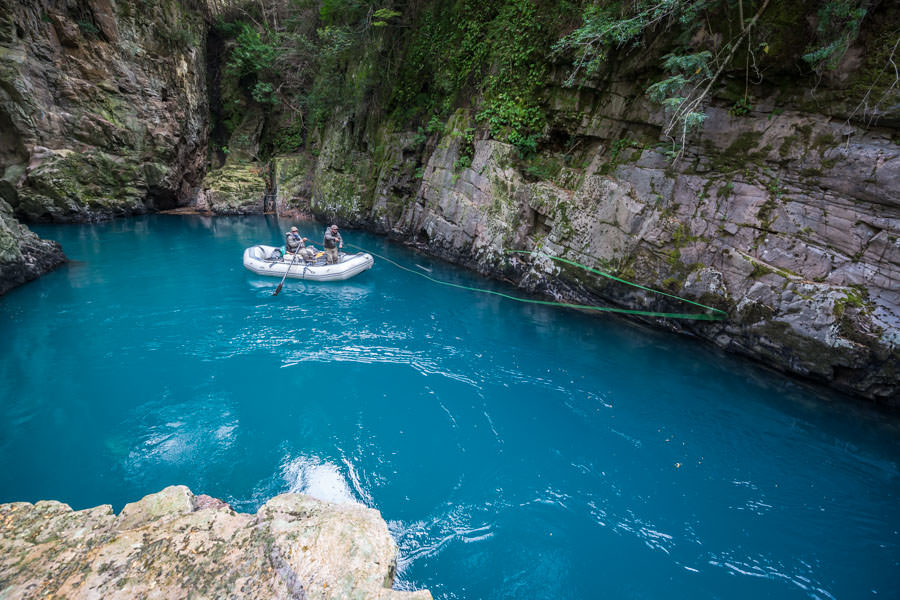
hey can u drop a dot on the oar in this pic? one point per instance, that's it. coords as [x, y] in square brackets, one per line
[278, 289]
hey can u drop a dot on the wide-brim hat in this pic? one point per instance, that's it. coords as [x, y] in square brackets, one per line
[294, 229]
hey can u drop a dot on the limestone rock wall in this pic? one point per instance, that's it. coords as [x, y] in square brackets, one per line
[103, 106]
[174, 544]
[797, 240]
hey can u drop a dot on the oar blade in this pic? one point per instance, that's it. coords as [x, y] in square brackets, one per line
[278, 289]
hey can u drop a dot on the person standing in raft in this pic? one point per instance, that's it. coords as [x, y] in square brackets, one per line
[333, 241]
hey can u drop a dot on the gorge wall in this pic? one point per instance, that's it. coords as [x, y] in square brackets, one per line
[453, 126]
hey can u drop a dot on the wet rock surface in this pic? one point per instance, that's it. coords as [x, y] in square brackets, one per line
[23, 255]
[174, 544]
[233, 189]
[103, 113]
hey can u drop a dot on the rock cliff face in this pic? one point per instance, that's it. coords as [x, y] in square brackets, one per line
[786, 214]
[788, 220]
[176, 545]
[784, 209]
[103, 107]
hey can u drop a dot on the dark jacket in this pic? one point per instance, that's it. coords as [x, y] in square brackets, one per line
[332, 240]
[293, 241]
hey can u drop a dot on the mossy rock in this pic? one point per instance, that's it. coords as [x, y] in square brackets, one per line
[74, 186]
[339, 197]
[236, 188]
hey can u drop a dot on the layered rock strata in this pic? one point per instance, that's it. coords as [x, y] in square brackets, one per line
[789, 220]
[785, 214]
[174, 544]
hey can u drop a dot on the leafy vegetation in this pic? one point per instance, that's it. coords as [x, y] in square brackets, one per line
[305, 62]
[709, 38]
[619, 25]
[838, 25]
[494, 56]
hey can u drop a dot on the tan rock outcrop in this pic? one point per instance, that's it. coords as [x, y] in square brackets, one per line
[173, 545]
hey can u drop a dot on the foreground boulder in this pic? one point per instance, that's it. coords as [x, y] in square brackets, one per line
[174, 544]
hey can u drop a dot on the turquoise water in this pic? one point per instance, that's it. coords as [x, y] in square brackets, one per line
[517, 451]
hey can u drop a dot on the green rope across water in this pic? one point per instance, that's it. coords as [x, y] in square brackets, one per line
[646, 313]
[720, 312]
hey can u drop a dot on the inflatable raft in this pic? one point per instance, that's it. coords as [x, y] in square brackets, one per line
[268, 260]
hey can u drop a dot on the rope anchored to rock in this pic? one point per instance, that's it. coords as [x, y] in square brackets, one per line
[716, 314]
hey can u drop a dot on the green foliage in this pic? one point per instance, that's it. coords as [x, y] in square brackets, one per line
[290, 138]
[496, 51]
[741, 107]
[469, 140]
[88, 28]
[463, 162]
[435, 125]
[253, 52]
[383, 15]
[314, 59]
[610, 25]
[419, 138]
[686, 70]
[448, 51]
[466, 149]
[514, 120]
[264, 93]
[838, 25]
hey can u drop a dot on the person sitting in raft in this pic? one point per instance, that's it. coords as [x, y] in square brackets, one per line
[333, 241]
[297, 244]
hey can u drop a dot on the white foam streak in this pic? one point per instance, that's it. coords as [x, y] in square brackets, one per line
[357, 485]
[317, 478]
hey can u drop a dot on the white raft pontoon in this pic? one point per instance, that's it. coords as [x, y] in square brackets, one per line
[268, 260]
